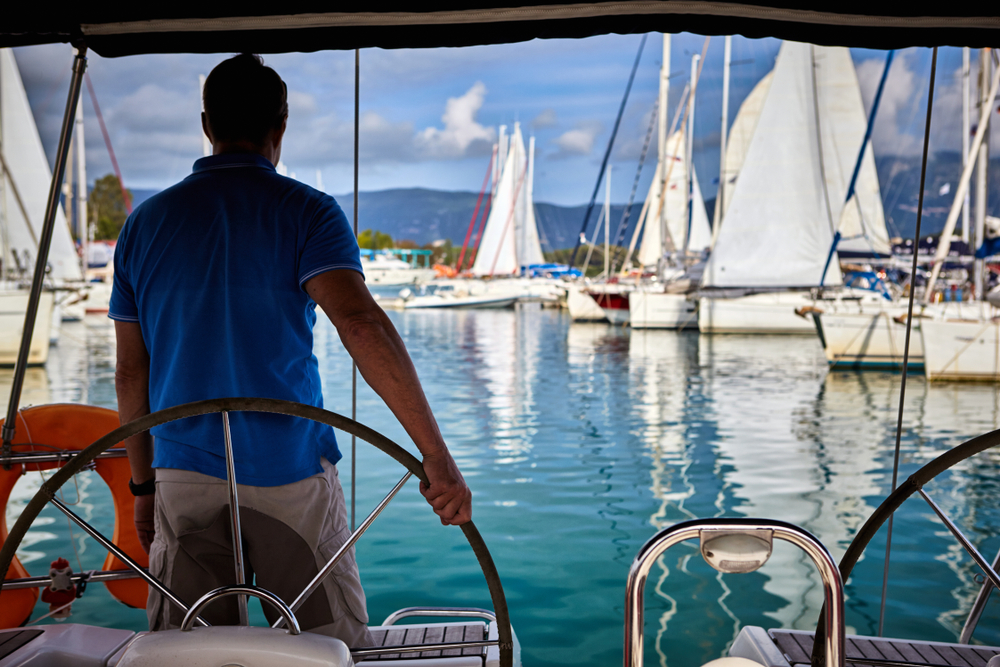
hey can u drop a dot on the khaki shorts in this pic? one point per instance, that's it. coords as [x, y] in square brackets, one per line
[289, 533]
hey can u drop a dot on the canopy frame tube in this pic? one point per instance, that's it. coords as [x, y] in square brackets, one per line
[44, 243]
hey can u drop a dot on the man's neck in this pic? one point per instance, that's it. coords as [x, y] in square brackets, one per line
[269, 153]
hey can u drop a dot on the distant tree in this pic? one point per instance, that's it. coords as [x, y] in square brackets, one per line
[374, 240]
[106, 207]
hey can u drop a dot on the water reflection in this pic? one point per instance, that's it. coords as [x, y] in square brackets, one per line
[582, 440]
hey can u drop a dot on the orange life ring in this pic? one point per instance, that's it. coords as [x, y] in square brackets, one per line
[72, 427]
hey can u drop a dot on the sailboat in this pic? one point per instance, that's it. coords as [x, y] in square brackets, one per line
[510, 238]
[24, 188]
[776, 236]
[967, 346]
[675, 225]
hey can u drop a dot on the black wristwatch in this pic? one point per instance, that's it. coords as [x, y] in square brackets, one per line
[147, 488]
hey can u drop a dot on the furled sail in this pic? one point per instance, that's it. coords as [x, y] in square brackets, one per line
[510, 238]
[25, 187]
[779, 226]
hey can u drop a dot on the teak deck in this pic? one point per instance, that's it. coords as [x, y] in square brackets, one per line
[410, 635]
[797, 648]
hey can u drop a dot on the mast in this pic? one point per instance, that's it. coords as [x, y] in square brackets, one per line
[662, 153]
[720, 196]
[206, 145]
[965, 138]
[607, 224]
[981, 167]
[82, 221]
[688, 157]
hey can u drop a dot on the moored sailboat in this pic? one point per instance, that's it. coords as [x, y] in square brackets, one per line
[776, 235]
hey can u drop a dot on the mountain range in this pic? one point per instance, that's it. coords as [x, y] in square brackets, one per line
[425, 216]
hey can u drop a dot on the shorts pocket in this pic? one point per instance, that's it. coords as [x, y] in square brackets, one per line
[345, 575]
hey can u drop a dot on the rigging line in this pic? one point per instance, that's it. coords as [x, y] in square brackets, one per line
[510, 216]
[475, 212]
[354, 364]
[107, 141]
[623, 222]
[909, 327]
[607, 153]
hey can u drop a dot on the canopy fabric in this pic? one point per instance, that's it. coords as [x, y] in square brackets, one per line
[116, 29]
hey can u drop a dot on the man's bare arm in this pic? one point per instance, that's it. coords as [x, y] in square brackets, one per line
[385, 365]
[132, 387]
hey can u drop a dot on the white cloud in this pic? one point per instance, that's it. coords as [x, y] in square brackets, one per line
[899, 126]
[578, 141]
[547, 118]
[462, 136]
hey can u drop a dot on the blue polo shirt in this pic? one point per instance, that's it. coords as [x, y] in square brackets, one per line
[213, 270]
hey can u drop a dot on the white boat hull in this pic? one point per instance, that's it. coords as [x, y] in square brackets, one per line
[868, 339]
[478, 301]
[400, 277]
[961, 350]
[657, 310]
[582, 308]
[13, 305]
[765, 313]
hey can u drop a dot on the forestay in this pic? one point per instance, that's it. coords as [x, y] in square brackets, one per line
[779, 227]
[27, 183]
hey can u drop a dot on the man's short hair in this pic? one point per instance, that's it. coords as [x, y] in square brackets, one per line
[244, 99]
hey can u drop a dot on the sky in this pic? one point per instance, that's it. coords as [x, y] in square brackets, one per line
[429, 117]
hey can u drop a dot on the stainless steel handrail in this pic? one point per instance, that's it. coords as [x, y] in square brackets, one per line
[833, 587]
[440, 612]
[242, 591]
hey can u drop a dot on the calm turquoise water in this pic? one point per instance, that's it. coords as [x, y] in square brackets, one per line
[581, 441]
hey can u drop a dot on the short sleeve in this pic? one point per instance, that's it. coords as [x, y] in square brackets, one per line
[122, 306]
[329, 242]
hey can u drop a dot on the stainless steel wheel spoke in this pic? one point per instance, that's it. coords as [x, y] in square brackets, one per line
[963, 540]
[234, 518]
[328, 568]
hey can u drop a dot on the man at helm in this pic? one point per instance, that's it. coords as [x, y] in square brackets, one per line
[216, 285]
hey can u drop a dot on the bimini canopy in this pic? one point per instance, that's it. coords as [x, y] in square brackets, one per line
[118, 29]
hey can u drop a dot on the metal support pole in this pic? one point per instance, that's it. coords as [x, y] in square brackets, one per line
[234, 518]
[51, 206]
[124, 557]
[354, 364]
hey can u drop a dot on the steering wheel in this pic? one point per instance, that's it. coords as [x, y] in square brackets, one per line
[882, 513]
[48, 490]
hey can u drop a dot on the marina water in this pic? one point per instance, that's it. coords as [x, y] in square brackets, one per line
[580, 441]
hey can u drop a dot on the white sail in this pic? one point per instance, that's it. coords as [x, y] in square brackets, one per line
[843, 123]
[529, 248]
[510, 238]
[778, 230]
[669, 215]
[740, 134]
[701, 231]
[28, 180]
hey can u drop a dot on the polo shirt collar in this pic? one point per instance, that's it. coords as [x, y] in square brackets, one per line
[230, 160]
